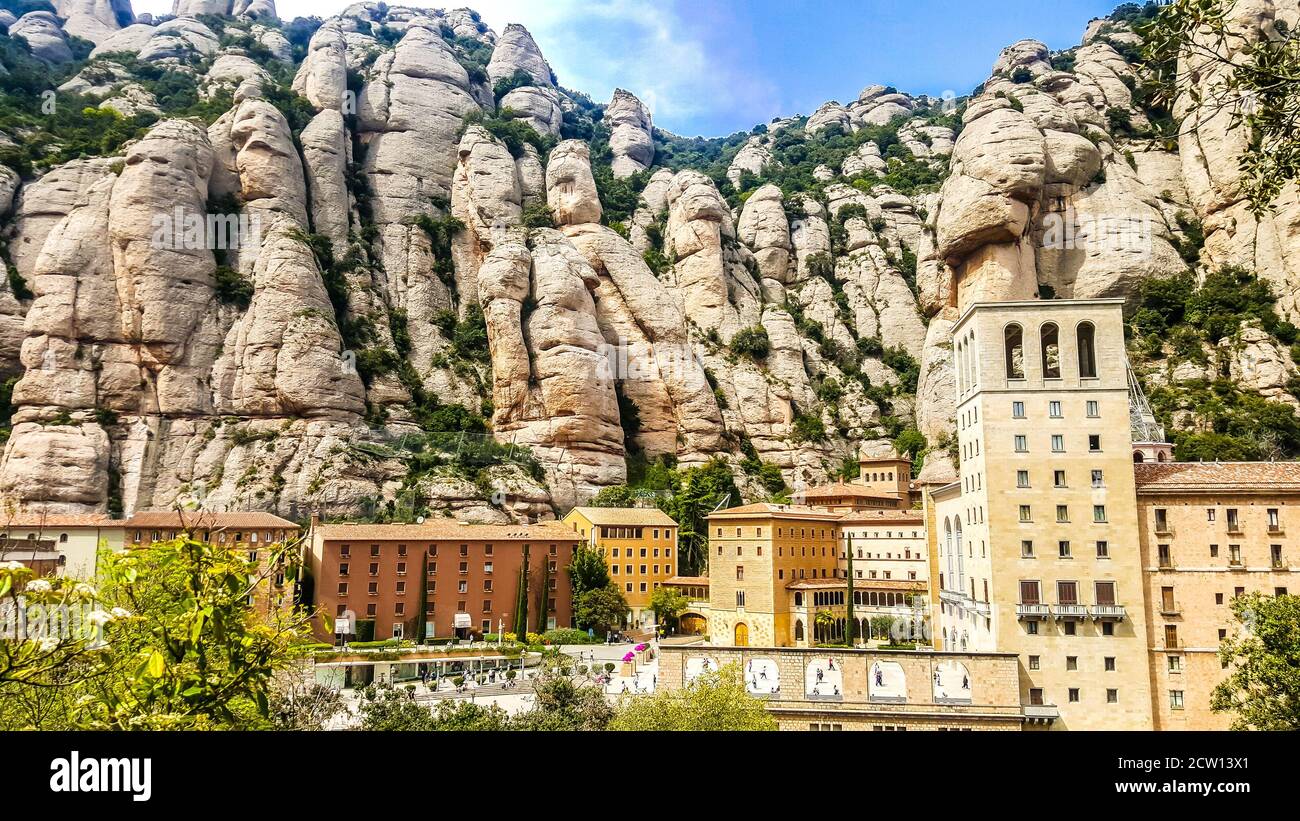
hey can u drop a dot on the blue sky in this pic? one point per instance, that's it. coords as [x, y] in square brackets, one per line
[712, 67]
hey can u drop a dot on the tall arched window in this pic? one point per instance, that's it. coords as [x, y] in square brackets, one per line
[1051, 348]
[1015, 352]
[961, 368]
[947, 539]
[1086, 336]
[961, 557]
[970, 361]
[798, 630]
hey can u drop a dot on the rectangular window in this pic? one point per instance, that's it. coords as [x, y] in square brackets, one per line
[1094, 442]
[1210, 514]
[1062, 513]
[1017, 410]
[1063, 549]
[1029, 592]
[1058, 478]
[1022, 444]
[1025, 514]
[1175, 664]
[740, 597]
[1112, 695]
[1072, 663]
[1233, 525]
[1026, 549]
[1022, 478]
[1099, 513]
[1097, 480]
[1036, 695]
[1175, 699]
[1067, 593]
[1274, 523]
[1094, 409]
[1105, 592]
[1167, 600]
[1109, 663]
[1034, 662]
[1054, 409]
[1103, 550]
[1058, 443]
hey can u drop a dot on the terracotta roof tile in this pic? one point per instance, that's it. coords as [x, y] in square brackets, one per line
[450, 530]
[651, 516]
[784, 511]
[207, 520]
[882, 516]
[845, 489]
[35, 519]
[1154, 476]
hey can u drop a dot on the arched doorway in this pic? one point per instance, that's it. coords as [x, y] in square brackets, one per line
[798, 630]
[742, 635]
[692, 624]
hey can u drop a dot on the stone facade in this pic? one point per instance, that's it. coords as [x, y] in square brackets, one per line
[1208, 532]
[932, 691]
[639, 546]
[1040, 544]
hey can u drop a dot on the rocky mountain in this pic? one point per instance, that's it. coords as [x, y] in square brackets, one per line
[385, 265]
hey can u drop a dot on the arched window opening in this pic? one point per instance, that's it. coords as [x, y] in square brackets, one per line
[1015, 352]
[1137, 457]
[1051, 349]
[1087, 338]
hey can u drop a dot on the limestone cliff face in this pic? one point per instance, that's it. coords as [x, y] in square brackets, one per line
[405, 266]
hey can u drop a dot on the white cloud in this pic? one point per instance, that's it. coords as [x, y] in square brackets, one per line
[597, 45]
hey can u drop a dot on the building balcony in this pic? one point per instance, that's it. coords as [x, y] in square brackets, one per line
[1043, 714]
[1067, 612]
[1275, 530]
[1033, 611]
[1109, 612]
[1163, 529]
[1236, 564]
[1171, 609]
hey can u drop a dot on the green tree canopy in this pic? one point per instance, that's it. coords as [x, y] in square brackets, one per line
[601, 609]
[713, 702]
[588, 570]
[1262, 689]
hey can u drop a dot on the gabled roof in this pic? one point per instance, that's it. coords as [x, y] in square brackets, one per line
[627, 516]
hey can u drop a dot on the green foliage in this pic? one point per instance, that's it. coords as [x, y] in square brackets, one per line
[1212, 419]
[505, 85]
[1262, 70]
[667, 603]
[1262, 688]
[537, 215]
[183, 651]
[509, 129]
[752, 342]
[601, 609]
[588, 571]
[905, 365]
[233, 288]
[712, 702]
[1022, 75]
[808, 428]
